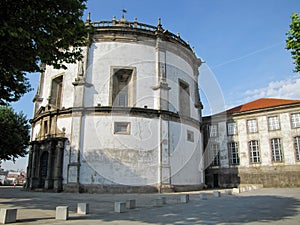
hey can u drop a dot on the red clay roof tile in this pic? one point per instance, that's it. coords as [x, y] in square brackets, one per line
[261, 103]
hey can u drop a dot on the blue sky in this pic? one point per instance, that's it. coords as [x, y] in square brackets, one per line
[241, 42]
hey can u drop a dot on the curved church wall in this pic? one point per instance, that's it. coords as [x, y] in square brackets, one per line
[128, 116]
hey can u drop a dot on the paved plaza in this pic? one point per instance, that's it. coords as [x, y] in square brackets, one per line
[263, 206]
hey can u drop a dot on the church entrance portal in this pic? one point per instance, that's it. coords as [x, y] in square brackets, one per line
[43, 168]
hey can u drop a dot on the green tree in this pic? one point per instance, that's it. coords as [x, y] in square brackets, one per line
[14, 134]
[293, 40]
[34, 31]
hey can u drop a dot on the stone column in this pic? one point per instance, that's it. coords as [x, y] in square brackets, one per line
[34, 182]
[58, 186]
[161, 91]
[29, 168]
[165, 166]
[80, 85]
[49, 178]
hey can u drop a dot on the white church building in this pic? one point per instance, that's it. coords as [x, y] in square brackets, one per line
[124, 119]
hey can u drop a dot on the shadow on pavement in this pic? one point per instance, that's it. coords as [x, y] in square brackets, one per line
[226, 209]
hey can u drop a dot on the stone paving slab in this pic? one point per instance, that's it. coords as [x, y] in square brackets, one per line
[263, 206]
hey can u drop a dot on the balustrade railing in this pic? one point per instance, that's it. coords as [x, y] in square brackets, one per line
[137, 25]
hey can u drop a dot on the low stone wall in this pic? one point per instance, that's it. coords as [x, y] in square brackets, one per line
[112, 189]
[182, 188]
[72, 188]
[273, 176]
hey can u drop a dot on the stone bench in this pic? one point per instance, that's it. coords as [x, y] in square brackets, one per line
[203, 196]
[160, 201]
[228, 192]
[8, 215]
[130, 204]
[184, 198]
[217, 194]
[82, 208]
[62, 213]
[120, 207]
[236, 191]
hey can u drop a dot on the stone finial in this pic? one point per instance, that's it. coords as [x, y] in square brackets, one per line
[135, 22]
[114, 21]
[159, 26]
[88, 19]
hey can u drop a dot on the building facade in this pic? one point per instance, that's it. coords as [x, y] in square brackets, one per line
[125, 118]
[255, 143]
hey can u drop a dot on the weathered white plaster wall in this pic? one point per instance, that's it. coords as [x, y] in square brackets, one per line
[68, 89]
[119, 158]
[185, 156]
[127, 159]
[35, 131]
[105, 55]
[178, 68]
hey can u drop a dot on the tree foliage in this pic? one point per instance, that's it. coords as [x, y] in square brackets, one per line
[293, 40]
[34, 31]
[14, 134]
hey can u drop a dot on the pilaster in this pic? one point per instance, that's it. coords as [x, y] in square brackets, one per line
[161, 88]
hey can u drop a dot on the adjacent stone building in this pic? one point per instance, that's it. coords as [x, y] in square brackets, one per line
[254, 143]
[125, 118]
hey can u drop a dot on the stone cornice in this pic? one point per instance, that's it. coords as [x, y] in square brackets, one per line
[120, 111]
[125, 31]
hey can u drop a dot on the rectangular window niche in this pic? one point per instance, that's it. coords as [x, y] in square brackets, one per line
[190, 136]
[122, 128]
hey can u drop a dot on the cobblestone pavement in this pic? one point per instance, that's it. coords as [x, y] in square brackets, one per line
[263, 206]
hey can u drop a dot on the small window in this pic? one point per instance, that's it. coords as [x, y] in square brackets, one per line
[273, 123]
[184, 98]
[213, 130]
[215, 151]
[190, 136]
[254, 151]
[234, 153]
[252, 126]
[295, 119]
[122, 128]
[45, 127]
[56, 91]
[122, 87]
[297, 147]
[231, 128]
[276, 150]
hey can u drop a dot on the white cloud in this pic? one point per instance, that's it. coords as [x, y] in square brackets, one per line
[286, 89]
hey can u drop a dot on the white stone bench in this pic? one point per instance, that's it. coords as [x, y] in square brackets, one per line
[217, 194]
[236, 191]
[82, 208]
[184, 198]
[120, 207]
[130, 204]
[203, 196]
[8, 215]
[62, 213]
[228, 192]
[160, 201]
